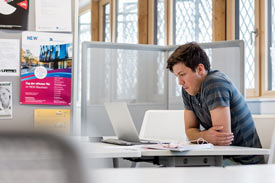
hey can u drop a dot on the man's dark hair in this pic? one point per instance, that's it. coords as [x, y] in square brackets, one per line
[191, 54]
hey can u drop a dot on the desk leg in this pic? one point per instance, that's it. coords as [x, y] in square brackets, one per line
[115, 162]
[135, 164]
[218, 160]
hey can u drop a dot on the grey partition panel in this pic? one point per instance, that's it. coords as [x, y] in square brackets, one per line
[23, 115]
[120, 72]
[137, 74]
[226, 56]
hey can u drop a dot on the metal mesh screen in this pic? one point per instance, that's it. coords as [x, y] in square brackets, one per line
[193, 21]
[127, 21]
[247, 22]
[106, 23]
[160, 23]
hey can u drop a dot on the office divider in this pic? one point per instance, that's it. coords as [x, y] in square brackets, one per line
[137, 74]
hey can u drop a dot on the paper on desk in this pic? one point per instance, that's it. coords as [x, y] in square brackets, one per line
[180, 148]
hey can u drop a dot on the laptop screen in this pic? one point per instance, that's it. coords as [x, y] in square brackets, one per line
[122, 121]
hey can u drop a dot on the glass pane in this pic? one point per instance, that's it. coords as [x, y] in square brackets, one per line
[84, 35]
[84, 27]
[247, 22]
[85, 18]
[160, 23]
[272, 48]
[127, 21]
[193, 21]
[106, 23]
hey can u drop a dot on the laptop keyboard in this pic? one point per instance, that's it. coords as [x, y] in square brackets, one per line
[126, 143]
[118, 142]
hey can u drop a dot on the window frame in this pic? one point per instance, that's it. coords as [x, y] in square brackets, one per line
[223, 27]
[102, 4]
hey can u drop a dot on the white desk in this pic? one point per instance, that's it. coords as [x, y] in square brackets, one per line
[202, 157]
[234, 174]
[103, 150]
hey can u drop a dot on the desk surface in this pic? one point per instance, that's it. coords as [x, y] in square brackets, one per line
[242, 174]
[102, 150]
[216, 150]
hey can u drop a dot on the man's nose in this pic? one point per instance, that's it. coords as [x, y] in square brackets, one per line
[181, 81]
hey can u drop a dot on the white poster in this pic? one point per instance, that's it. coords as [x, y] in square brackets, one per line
[9, 57]
[5, 100]
[53, 15]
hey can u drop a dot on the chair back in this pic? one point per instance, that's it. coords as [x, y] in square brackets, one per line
[265, 126]
[36, 157]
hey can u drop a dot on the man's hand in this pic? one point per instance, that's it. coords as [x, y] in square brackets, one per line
[216, 137]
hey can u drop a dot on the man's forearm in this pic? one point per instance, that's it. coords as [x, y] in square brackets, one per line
[212, 135]
[193, 133]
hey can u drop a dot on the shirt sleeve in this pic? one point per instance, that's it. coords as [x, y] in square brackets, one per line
[218, 95]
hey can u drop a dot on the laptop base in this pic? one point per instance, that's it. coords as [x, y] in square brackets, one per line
[126, 143]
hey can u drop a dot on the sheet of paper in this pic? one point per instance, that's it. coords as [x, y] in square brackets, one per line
[9, 57]
[179, 147]
[53, 120]
[53, 15]
[5, 100]
[46, 68]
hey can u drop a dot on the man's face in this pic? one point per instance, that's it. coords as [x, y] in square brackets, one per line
[188, 79]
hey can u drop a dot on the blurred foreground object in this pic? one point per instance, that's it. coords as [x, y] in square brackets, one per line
[38, 157]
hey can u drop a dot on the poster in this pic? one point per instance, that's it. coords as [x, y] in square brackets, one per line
[46, 68]
[14, 14]
[53, 120]
[53, 15]
[5, 100]
[9, 57]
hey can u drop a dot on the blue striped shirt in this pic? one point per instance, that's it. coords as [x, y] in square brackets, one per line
[217, 90]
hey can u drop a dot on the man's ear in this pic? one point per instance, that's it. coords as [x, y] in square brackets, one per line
[200, 69]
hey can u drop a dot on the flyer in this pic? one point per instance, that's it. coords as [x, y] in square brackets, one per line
[5, 100]
[46, 68]
[53, 120]
[53, 15]
[9, 57]
[14, 14]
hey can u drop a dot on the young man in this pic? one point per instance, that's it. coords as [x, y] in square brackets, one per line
[212, 101]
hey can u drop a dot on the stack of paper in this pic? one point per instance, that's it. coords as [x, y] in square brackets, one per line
[180, 148]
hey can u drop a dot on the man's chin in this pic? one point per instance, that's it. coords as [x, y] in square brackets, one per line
[191, 93]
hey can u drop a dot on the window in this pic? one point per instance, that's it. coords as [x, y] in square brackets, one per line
[84, 26]
[246, 33]
[127, 21]
[84, 35]
[271, 45]
[161, 22]
[106, 23]
[192, 21]
[104, 26]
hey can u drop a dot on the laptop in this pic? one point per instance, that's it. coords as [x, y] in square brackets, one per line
[123, 125]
